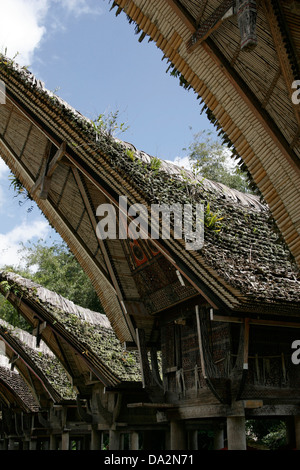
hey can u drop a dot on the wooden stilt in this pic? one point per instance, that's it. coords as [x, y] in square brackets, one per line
[178, 435]
[134, 441]
[95, 439]
[114, 440]
[236, 434]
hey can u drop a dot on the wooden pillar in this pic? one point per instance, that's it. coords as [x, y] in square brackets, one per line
[236, 433]
[52, 442]
[297, 432]
[5, 444]
[134, 441]
[33, 444]
[65, 441]
[178, 437]
[114, 440]
[218, 438]
[95, 440]
[11, 444]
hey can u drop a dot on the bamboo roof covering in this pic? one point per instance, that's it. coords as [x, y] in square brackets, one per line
[69, 170]
[38, 367]
[14, 392]
[82, 340]
[247, 93]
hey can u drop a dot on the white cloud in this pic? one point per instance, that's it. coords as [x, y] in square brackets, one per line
[4, 170]
[80, 7]
[24, 23]
[22, 28]
[10, 242]
[182, 162]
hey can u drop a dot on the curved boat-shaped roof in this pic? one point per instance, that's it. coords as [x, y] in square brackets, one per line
[73, 330]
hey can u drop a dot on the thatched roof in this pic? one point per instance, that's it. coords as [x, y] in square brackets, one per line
[87, 333]
[244, 267]
[246, 91]
[13, 389]
[22, 351]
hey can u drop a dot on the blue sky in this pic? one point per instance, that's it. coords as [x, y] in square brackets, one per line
[94, 61]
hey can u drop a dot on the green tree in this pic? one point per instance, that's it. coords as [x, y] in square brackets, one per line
[213, 160]
[55, 268]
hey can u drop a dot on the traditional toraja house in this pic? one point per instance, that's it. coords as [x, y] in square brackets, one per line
[32, 382]
[242, 60]
[17, 406]
[224, 316]
[90, 378]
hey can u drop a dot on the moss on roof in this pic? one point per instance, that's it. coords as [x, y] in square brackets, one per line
[91, 329]
[46, 363]
[15, 381]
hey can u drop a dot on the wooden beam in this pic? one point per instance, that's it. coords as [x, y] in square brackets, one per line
[208, 26]
[50, 164]
[152, 405]
[282, 52]
[56, 159]
[50, 168]
[145, 368]
[254, 321]
[183, 14]
[200, 341]
[252, 404]
[246, 343]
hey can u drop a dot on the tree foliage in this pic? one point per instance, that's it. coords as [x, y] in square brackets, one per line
[212, 160]
[55, 268]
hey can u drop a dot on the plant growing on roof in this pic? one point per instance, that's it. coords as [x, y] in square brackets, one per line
[20, 191]
[130, 154]
[108, 125]
[211, 220]
[155, 164]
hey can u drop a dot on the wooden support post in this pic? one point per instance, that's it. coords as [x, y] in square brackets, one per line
[200, 342]
[44, 181]
[178, 435]
[52, 442]
[65, 441]
[11, 443]
[95, 439]
[210, 24]
[32, 444]
[134, 441]
[145, 368]
[236, 433]
[218, 438]
[114, 440]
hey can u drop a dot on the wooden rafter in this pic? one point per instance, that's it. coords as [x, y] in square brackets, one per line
[282, 53]
[210, 24]
[183, 14]
[271, 88]
[44, 181]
